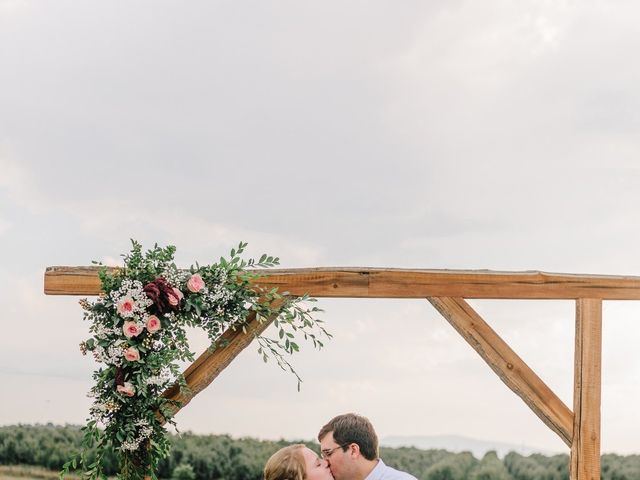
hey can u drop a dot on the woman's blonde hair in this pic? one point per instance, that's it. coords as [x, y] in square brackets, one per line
[286, 464]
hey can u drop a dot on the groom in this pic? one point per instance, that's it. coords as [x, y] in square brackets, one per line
[350, 445]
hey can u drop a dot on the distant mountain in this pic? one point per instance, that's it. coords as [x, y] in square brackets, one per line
[455, 443]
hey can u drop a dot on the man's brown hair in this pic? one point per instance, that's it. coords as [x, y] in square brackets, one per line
[352, 428]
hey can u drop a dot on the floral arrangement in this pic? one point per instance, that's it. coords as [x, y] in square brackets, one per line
[138, 337]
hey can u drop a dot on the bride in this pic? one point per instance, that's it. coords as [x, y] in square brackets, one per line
[296, 462]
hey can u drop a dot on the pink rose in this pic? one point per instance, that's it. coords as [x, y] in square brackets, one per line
[175, 296]
[173, 299]
[131, 329]
[132, 354]
[126, 389]
[125, 307]
[153, 324]
[195, 283]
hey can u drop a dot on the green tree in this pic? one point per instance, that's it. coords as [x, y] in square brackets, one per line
[489, 468]
[184, 471]
[452, 467]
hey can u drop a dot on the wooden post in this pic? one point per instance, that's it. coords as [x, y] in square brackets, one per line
[585, 448]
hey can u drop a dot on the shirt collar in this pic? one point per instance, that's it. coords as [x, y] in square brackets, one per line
[377, 472]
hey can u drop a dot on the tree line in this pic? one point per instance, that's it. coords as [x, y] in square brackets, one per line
[200, 457]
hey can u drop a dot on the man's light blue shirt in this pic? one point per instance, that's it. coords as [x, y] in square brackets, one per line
[382, 472]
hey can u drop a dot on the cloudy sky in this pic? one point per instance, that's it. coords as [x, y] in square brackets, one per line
[459, 134]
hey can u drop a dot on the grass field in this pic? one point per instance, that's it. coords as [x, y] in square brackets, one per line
[23, 472]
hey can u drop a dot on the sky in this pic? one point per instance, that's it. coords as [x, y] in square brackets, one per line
[461, 135]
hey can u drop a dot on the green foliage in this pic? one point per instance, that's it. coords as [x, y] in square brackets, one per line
[410, 459]
[618, 467]
[537, 467]
[216, 457]
[453, 466]
[139, 333]
[184, 471]
[489, 468]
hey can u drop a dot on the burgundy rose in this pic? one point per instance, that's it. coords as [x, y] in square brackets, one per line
[162, 296]
[119, 376]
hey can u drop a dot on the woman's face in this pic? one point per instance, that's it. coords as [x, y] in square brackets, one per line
[316, 468]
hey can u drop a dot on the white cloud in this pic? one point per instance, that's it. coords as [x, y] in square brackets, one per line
[4, 226]
[200, 235]
[55, 324]
[19, 183]
[9, 6]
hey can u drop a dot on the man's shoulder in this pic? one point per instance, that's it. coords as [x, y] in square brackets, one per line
[393, 474]
[384, 472]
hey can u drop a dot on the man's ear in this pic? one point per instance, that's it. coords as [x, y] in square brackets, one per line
[354, 450]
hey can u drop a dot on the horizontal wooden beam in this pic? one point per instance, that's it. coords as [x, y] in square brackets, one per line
[399, 283]
[511, 369]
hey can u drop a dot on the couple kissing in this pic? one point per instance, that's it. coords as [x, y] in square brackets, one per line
[348, 451]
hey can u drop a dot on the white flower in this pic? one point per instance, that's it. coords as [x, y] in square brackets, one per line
[111, 355]
[130, 299]
[144, 431]
[129, 445]
[155, 380]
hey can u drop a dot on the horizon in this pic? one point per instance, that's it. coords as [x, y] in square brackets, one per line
[383, 441]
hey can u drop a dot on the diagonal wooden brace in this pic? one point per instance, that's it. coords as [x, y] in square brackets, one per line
[511, 369]
[209, 364]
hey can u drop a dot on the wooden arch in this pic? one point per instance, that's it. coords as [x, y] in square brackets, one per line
[446, 290]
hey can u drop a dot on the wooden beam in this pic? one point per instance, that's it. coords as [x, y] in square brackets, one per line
[585, 448]
[210, 364]
[511, 369]
[72, 281]
[399, 283]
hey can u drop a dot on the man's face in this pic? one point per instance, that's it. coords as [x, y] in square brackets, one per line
[339, 461]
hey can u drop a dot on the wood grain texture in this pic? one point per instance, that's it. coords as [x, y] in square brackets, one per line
[511, 369]
[204, 370]
[585, 448]
[398, 283]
